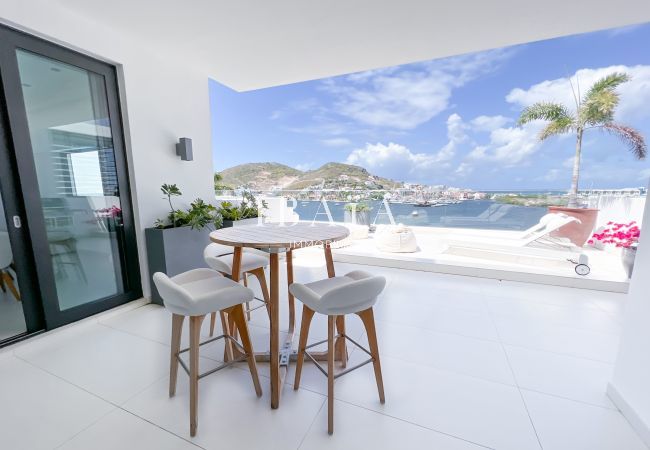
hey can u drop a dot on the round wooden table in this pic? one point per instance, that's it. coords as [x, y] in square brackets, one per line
[275, 239]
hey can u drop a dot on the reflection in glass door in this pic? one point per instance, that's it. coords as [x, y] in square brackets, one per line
[72, 146]
[12, 318]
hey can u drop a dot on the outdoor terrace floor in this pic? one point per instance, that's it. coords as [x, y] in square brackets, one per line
[468, 363]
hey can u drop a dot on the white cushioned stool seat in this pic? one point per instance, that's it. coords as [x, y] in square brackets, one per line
[356, 291]
[199, 292]
[219, 257]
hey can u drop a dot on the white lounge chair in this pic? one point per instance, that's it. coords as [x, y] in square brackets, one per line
[532, 246]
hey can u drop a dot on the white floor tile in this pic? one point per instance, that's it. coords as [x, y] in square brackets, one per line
[524, 311]
[565, 376]
[559, 339]
[469, 323]
[470, 356]
[472, 409]
[230, 415]
[41, 411]
[124, 431]
[357, 428]
[568, 425]
[111, 364]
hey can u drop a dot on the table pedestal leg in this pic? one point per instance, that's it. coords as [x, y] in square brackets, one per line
[275, 332]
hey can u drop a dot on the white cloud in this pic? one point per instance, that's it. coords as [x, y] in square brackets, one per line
[509, 146]
[336, 142]
[390, 160]
[303, 167]
[489, 123]
[464, 169]
[397, 161]
[635, 94]
[408, 96]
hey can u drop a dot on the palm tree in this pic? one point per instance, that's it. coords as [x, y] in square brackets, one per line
[593, 111]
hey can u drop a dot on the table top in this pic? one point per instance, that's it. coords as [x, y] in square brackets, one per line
[280, 236]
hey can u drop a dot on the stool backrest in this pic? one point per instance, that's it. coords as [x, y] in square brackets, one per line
[172, 293]
[211, 256]
[216, 250]
[359, 291]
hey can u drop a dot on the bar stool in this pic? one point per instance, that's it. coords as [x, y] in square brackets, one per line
[220, 258]
[354, 293]
[197, 293]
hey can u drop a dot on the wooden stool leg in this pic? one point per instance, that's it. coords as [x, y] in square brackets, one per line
[195, 340]
[341, 347]
[228, 348]
[213, 322]
[368, 319]
[248, 304]
[307, 315]
[261, 277]
[330, 373]
[177, 330]
[237, 314]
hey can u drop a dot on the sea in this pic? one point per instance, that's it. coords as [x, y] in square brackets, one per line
[480, 214]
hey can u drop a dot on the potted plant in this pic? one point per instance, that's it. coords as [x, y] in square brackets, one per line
[175, 244]
[246, 213]
[593, 111]
[357, 213]
[624, 236]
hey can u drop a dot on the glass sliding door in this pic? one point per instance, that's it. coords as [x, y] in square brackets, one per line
[72, 146]
[65, 122]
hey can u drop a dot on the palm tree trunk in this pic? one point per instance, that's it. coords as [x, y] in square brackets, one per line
[573, 194]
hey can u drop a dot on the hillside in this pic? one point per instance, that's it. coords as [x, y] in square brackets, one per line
[260, 176]
[264, 176]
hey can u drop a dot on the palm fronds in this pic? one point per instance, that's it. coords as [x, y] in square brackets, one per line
[559, 126]
[634, 140]
[544, 111]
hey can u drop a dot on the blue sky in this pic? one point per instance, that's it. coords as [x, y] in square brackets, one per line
[447, 121]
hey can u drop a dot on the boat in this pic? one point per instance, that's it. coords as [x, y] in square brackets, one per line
[415, 213]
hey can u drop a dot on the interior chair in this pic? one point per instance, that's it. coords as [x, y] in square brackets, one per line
[354, 293]
[7, 280]
[195, 294]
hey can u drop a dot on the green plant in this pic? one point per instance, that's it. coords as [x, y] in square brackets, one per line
[593, 111]
[218, 183]
[198, 216]
[170, 190]
[358, 207]
[247, 209]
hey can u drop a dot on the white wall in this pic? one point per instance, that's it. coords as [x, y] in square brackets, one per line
[162, 101]
[630, 386]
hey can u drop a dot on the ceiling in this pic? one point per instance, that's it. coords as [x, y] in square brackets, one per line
[248, 44]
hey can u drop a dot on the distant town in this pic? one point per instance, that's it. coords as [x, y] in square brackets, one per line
[345, 182]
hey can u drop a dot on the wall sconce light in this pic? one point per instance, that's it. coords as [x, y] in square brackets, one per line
[184, 149]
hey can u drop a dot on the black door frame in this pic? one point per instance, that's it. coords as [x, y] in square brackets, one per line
[12, 200]
[10, 41]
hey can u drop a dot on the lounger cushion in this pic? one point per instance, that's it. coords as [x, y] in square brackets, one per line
[396, 239]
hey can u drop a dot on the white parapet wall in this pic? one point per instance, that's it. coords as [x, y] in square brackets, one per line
[617, 208]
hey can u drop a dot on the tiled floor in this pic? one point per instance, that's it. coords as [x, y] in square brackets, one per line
[468, 363]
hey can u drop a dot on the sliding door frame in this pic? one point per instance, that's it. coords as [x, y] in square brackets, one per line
[11, 41]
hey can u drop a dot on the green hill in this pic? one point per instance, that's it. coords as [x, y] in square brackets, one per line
[264, 176]
[260, 176]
